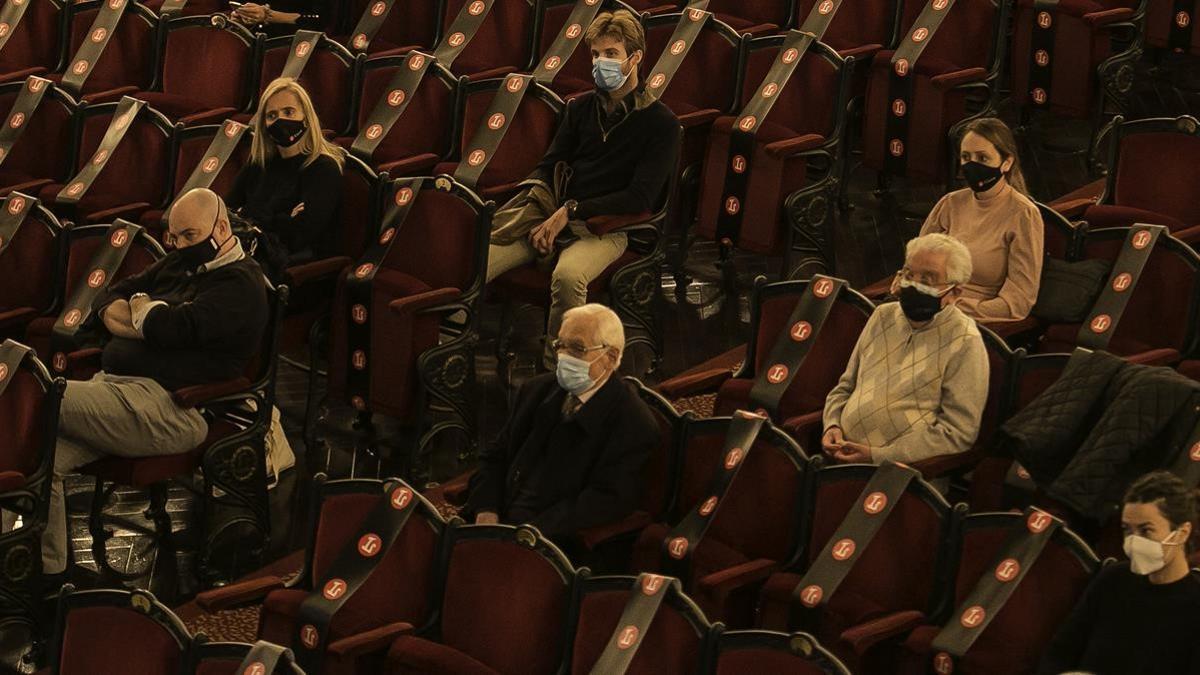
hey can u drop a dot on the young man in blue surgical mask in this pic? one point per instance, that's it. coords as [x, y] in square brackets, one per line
[613, 155]
[917, 380]
[572, 453]
[1139, 617]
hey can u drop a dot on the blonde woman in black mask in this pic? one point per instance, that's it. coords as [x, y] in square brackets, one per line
[997, 221]
[291, 187]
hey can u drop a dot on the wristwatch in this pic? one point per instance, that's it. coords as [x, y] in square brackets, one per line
[571, 205]
[138, 295]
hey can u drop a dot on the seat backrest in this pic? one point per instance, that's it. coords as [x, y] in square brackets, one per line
[1033, 374]
[744, 14]
[504, 40]
[190, 152]
[139, 169]
[707, 78]
[37, 41]
[28, 418]
[225, 76]
[128, 58]
[225, 658]
[108, 632]
[359, 215]
[529, 133]
[440, 240]
[1059, 236]
[865, 22]
[966, 38]
[29, 266]
[411, 23]
[575, 76]
[673, 643]
[85, 241]
[808, 103]
[760, 515]
[400, 587]
[742, 652]
[427, 125]
[1000, 366]
[1018, 635]
[899, 569]
[1158, 167]
[658, 474]
[46, 149]
[506, 598]
[771, 308]
[1162, 312]
[329, 78]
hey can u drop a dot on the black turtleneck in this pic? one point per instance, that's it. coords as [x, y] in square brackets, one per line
[268, 194]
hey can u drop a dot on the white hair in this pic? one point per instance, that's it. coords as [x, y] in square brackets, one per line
[958, 256]
[606, 324]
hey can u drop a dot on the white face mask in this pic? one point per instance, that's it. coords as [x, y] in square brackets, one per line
[1146, 556]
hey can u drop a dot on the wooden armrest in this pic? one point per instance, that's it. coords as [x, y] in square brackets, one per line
[453, 491]
[198, 395]
[1074, 208]
[704, 382]
[126, 211]
[1108, 16]
[11, 480]
[412, 304]
[602, 225]
[374, 640]
[207, 116]
[866, 635]
[235, 595]
[725, 581]
[593, 537]
[317, 269]
[958, 78]
[410, 165]
[794, 146]
[943, 465]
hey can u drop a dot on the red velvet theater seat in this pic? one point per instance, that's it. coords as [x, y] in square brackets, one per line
[962, 57]
[36, 44]
[502, 45]
[1083, 36]
[796, 154]
[423, 135]
[756, 530]
[193, 143]
[1159, 325]
[110, 632]
[127, 63]
[1018, 634]
[1154, 171]
[225, 658]
[1190, 369]
[530, 132]
[82, 245]
[29, 272]
[756, 17]
[894, 576]
[191, 7]
[137, 176]
[575, 76]
[675, 641]
[858, 29]
[412, 24]
[204, 90]
[45, 151]
[329, 78]
[752, 652]
[1163, 19]
[504, 599]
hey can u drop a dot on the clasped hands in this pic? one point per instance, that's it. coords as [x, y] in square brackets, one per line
[542, 237]
[848, 452]
[251, 14]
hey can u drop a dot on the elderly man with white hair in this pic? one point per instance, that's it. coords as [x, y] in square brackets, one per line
[572, 452]
[917, 380]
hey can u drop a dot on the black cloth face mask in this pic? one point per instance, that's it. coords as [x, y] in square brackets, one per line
[918, 305]
[981, 177]
[202, 252]
[285, 132]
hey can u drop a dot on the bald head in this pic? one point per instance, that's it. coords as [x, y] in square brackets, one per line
[198, 213]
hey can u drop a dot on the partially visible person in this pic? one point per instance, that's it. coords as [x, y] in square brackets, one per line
[917, 380]
[291, 188]
[998, 222]
[283, 16]
[612, 155]
[195, 317]
[572, 452]
[1138, 617]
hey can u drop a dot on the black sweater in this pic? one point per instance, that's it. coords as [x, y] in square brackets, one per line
[1125, 625]
[210, 329]
[621, 162]
[268, 194]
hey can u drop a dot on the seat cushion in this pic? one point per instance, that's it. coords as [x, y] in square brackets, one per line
[530, 284]
[145, 471]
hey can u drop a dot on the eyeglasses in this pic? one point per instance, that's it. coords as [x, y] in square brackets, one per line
[576, 349]
[923, 278]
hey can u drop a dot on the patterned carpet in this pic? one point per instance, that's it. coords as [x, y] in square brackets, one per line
[234, 625]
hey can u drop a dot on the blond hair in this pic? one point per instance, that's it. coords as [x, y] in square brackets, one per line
[995, 131]
[312, 145]
[621, 26]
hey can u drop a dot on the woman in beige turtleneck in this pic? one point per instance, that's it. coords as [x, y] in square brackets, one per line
[1000, 225]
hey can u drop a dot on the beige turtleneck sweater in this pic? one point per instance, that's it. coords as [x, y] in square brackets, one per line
[1005, 236]
[912, 393]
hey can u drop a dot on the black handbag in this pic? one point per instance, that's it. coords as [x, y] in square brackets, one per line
[1069, 289]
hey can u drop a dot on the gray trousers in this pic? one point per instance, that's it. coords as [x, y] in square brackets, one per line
[112, 415]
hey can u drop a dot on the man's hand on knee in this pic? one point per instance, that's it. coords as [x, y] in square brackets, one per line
[542, 237]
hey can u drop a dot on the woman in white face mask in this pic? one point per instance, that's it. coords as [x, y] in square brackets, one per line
[1140, 617]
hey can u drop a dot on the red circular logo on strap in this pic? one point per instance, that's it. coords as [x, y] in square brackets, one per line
[973, 617]
[843, 549]
[747, 123]
[939, 5]
[943, 664]
[401, 496]
[920, 34]
[695, 14]
[1142, 239]
[1041, 57]
[875, 503]
[231, 128]
[476, 157]
[303, 48]
[899, 108]
[403, 196]
[416, 61]
[734, 457]
[1195, 453]
[359, 359]
[309, 636]
[738, 164]
[1044, 19]
[825, 7]
[896, 147]
[732, 206]
[1038, 95]
[1101, 323]
[1182, 19]
[1007, 570]
[658, 80]
[374, 131]
[334, 589]
[677, 547]
[71, 319]
[574, 31]
[706, 508]
[387, 235]
[811, 595]
[80, 67]
[396, 97]
[378, 8]
[801, 331]
[652, 584]
[59, 362]
[477, 8]
[552, 62]
[369, 545]
[901, 67]
[627, 638]
[360, 41]
[75, 189]
[17, 203]
[822, 288]
[16, 120]
[1023, 473]
[99, 157]
[1038, 521]
[4, 28]
[791, 55]
[115, 4]
[1122, 282]
[496, 121]
[514, 84]
[457, 39]
[96, 278]
[210, 165]
[36, 84]
[256, 668]
[777, 373]
[364, 270]
[3, 372]
[99, 34]
[770, 90]
[358, 314]
[678, 46]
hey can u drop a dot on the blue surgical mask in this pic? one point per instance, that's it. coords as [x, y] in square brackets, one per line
[607, 73]
[574, 375]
